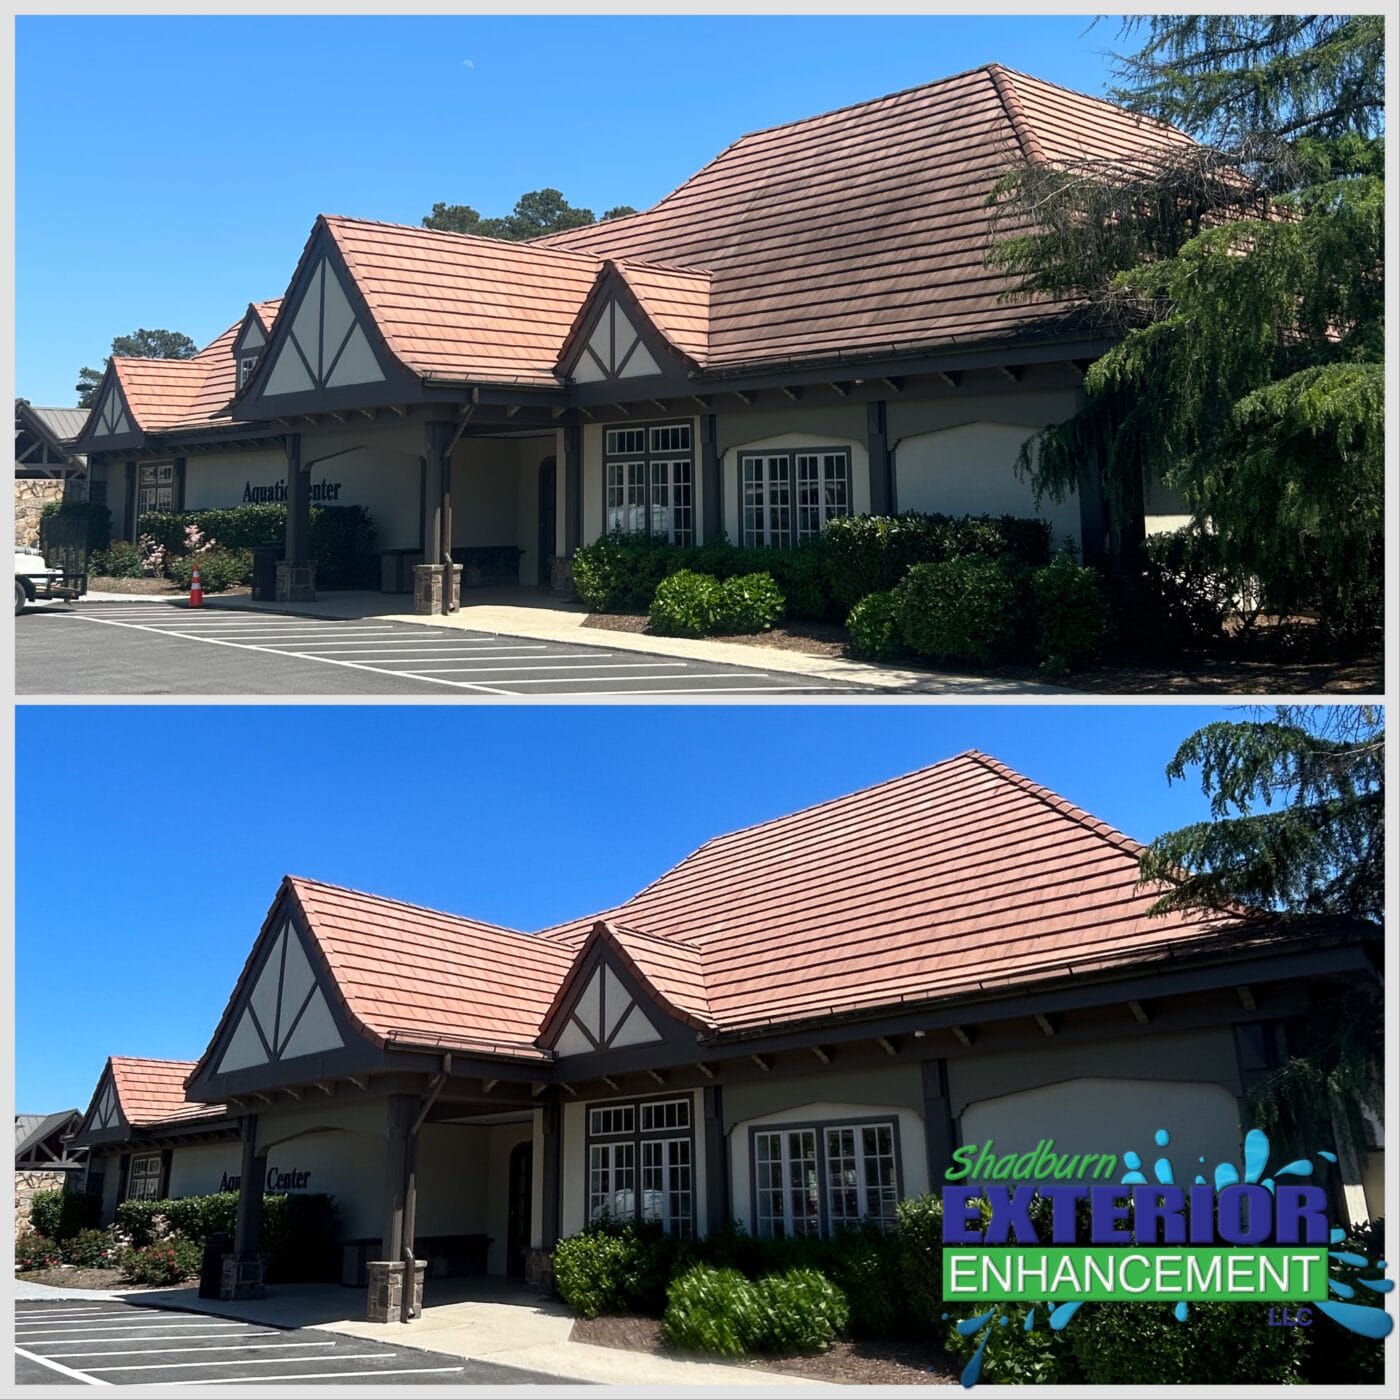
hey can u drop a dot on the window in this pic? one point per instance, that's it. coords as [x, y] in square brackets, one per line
[655, 1134]
[246, 365]
[155, 488]
[143, 1181]
[648, 476]
[818, 482]
[854, 1181]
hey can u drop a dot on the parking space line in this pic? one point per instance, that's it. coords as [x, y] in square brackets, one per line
[60, 1368]
[584, 664]
[62, 1333]
[164, 1351]
[241, 1361]
[317, 1376]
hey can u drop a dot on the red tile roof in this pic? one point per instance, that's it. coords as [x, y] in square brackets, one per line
[152, 1092]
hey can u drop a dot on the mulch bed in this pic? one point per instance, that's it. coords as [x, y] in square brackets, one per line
[80, 1278]
[153, 585]
[1261, 667]
[847, 1363]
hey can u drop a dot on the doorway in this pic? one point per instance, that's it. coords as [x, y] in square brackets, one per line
[522, 1158]
[546, 543]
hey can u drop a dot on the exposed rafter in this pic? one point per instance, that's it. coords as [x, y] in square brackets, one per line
[1012, 372]
[821, 1054]
[1140, 1013]
[963, 1035]
[887, 1045]
[951, 377]
[763, 1062]
[1046, 1025]
[746, 399]
[894, 383]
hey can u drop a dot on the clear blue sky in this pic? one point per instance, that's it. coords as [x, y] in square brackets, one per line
[131, 932]
[168, 170]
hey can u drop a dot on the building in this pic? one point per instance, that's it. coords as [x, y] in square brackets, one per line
[805, 328]
[793, 1028]
[46, 467]
[44, 1159]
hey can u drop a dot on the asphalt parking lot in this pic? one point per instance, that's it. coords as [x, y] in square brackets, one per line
[72, 1342]
[100, 648]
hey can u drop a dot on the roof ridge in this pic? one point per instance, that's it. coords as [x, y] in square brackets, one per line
[405, 904]
[1091, 97]
[1020, 123]
[686, 270]
[522, 243]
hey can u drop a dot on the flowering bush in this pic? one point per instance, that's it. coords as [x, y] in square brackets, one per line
[91, 1249]
[152, 556]
[196, 541]
[166, 1261]
[33, 1251]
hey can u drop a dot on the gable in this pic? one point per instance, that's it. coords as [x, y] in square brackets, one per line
[112, 418]
[613, 348]
[284, 1014]
[252, 338]
[604, 1016]
[325, 345]
[105, 1113]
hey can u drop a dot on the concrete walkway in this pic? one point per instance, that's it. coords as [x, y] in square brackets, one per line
[536, 615]
[480, 1319]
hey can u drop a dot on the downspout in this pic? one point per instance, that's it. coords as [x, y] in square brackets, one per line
[410, 1265]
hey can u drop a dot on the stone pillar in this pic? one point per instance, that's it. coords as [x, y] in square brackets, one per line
[242, 1273]
[385, 1302]
[296, 583]
[296, 574]
[429, 585]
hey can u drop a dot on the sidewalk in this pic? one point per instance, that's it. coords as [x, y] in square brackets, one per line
[514, 613]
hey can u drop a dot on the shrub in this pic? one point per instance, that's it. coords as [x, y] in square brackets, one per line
[1014, 1356]
[1071, 615]
[685, 604]
[803, 576]
[343, 541]
[618, 1266]
[121, 559]
[90, 1249]
[165, 1262]
[143, 1222]
[58, 1215]
[35, 1251]
[299, 1234]
[620, 573]
[963, 610]
[919, 1260]
[800, 1310]
[1190, 589]
[1336, 1356]
[237, 527]
[746, 603]
[1136, 1344]
[874, 627]
[219, 569]
[97, 516]
[865, 1265]
[712, 1310]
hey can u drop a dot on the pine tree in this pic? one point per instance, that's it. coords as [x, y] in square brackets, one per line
[1243, 281]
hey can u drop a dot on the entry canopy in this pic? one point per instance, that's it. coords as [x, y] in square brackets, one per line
[958, 887]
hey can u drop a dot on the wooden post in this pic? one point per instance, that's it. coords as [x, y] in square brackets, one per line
[298, 535]
[573, 488]
[252, 1172]
[716, 1160]
[878, 455]
[550, 1174]
[940, 1136]
[710, 487]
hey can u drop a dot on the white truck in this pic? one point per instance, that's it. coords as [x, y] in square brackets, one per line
[35, 580]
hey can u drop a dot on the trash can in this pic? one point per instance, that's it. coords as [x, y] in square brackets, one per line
[265, 557]
[211, 1268]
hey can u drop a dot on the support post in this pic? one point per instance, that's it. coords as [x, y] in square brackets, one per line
[396, 1278]
[296, 574]
[437, 579]
[711, 490]
[878, 454]
[129, 507]
[573, 487]
[940, 1133]
[242, 1271]
[550, 1174]
[180, 473]
[717, 1211]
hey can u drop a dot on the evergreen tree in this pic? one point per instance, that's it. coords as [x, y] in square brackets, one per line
[536, 213]
[141, 344]
[1243, 280]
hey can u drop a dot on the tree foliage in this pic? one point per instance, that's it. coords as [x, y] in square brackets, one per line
[536, 213]
[1242, 279]
[1297, 801]
[140, 344]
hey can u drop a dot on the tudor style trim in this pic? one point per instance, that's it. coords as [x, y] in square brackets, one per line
[111, 425]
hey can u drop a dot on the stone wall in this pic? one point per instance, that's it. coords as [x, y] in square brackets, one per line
[31, 493]
[26, 1184]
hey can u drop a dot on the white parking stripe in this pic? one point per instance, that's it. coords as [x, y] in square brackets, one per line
[180, 1336]
[317, 1376]
[162, 1351]
[242, 1361]
[61, 1369]
[59, 1333]
[581, 664]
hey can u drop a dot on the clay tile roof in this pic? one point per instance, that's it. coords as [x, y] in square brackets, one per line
[266, 311]
[152, 1092]
[678, 302]
[456, 306]
[672, 967]
[416, 975]
[948, 882]
[865, 230]
[164, 394]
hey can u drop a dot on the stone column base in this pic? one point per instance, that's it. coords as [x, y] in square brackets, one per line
[561, 577]
[539, 1270]
[241, 1278]
[296, 582]
[428, 583]
[385, 1293]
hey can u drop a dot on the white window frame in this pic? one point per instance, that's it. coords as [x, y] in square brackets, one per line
[612, 1180]
[790, 495]
[807, 1177]
[247, 364]
[143, 1183]
[857, 1173]
[791, 1166]
[668, 1184]
[649, 481]
[641, 1160]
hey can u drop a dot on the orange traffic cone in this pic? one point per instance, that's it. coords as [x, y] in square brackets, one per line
[196, 591]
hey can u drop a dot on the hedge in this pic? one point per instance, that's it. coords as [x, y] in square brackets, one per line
[98, 517]
[58, 1215]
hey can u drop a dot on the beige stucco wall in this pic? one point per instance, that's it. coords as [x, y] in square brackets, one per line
[198, 1169]
[495, 489]
[499, 1140]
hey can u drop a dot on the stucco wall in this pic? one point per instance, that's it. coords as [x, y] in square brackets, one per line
[495, 488]
[500, 1139]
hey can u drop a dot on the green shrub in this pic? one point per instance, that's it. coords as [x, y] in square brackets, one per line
[865, 1265]
[35, 1251]
[1141, 1344]
[1336, 1356]
[165, 1262]
[195, 1218]
[1071, 613]
[712, 1310]
[919, 1260]
[234, 527]
[1012, 1355]
[343, 544]
[619, 1266]
[1190, 589]
[620, 573]
[963, 610]
[97, 516]
[685, 605]
[803, 576]
[746, 603]
[800, 1310]
[874, 627]
[142, 1222]
[219, 569]
[58, 1215]
[121, 559]
[90, 1249]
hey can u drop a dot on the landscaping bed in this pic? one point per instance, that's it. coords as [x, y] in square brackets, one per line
[163, 587]
[846, 1363]
[103, 1280]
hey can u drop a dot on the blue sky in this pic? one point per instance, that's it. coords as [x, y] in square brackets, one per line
[130, 935]
[180, 173]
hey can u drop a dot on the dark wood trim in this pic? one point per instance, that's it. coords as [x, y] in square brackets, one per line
[711, 490]
[252, 1174]
[717, 1205]
[129, 518]
[879, 460]
[573, 488]
[940, 1128]
[551, 1172]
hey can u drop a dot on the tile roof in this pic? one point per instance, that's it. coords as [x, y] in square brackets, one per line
[152, 1092]
[166, 394]
[419, 976]
[865, 229]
